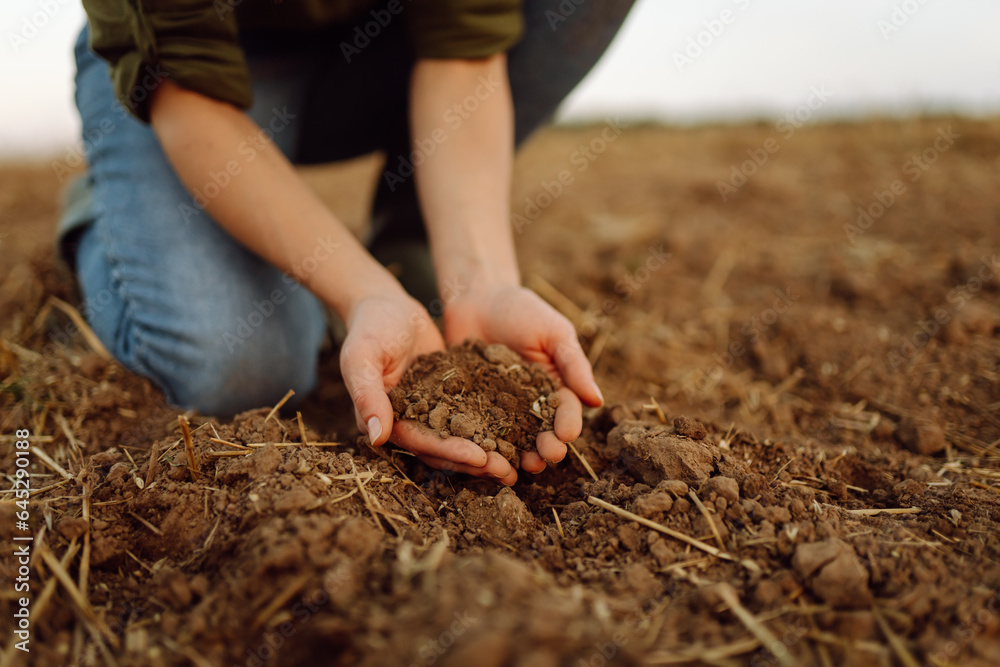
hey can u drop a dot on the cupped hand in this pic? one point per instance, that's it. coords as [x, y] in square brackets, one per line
[521, 320]
[385, 335]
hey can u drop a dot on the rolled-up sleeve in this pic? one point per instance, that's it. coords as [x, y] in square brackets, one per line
[464, 28]
[193, 43]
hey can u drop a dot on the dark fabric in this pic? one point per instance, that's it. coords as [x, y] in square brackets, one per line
[196, 43]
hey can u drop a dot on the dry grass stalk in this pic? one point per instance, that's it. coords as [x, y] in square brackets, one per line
[67, 431]
[51, 464]
[302, 428]
[97, 626]
[698, 544]
[654, 405]
[583, 461]
[293, 587]
[717, 275]
[84, 574]
[756, 628]
[861, 644]
[32, 438]
[708, 517]
[38, 608]
[81, 324]
[558, 523]
[189, 447]
[221, 455]
[873, 512]
[562, 303]
[141, 564]
[364, 496]
[895, 643]
[154, 453]
[598, 346]
[715, 654]
[147, 524]
[227, 443]
[278, 405]
[197, 659]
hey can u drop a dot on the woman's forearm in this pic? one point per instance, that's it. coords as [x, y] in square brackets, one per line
[260, 199]
[464, 185]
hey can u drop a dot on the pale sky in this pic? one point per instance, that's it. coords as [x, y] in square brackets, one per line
[924, 55]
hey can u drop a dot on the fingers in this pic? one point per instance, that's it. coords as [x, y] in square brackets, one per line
[550, 448]
[532, 462]
[496, 467]
[414, 437]
[572, 364]
[363, 378]
[569, 416]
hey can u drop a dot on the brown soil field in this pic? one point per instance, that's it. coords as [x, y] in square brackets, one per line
[798, 462]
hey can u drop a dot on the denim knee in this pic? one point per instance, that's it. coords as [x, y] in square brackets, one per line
[243, 357]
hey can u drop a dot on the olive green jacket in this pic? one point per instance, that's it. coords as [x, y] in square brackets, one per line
[196, 42]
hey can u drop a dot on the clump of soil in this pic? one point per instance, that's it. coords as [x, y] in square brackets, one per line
[485, 393]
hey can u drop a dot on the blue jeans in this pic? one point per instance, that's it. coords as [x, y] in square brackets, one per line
[174, 297]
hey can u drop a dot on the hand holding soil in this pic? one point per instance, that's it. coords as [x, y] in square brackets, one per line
[507, 407]
[533, 417]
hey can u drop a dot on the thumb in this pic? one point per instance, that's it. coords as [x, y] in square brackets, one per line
[364, 380]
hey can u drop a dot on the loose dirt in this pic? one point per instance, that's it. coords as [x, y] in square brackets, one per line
[790, 468]
[484, 393]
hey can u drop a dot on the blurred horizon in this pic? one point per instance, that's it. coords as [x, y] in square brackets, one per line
[719, 61]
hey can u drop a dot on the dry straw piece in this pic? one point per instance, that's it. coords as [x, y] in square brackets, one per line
[189, 447]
